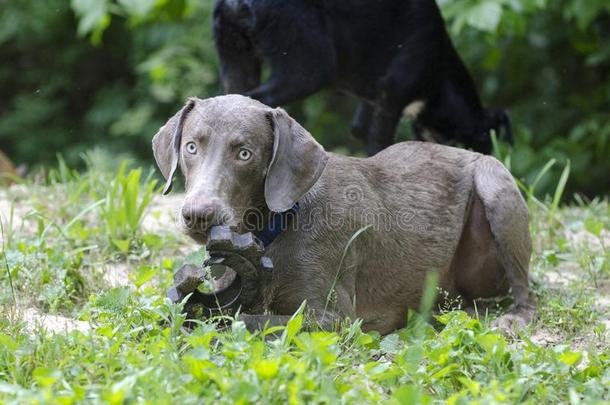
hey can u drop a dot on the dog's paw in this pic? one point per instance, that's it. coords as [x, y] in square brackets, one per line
[514, 321]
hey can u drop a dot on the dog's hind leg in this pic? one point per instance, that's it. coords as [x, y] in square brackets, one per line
[507, 214]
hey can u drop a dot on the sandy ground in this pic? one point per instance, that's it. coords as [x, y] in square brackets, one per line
[34, 320]
[12, 213]
[561, 277]
[161, 216]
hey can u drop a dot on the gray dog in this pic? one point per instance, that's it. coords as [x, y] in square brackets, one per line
[364, 232]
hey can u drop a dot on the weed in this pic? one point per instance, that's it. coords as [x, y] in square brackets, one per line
[8, 268]
[124, 207]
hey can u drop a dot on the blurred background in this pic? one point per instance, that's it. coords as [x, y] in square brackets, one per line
[104, 75]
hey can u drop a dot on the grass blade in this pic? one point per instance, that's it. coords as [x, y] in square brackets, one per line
[561, 185]
[8, 270]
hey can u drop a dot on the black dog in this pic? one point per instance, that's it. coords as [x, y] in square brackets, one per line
[391, 54]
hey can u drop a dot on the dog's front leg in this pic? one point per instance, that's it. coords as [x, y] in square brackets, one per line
[361, 122]
[287, 84]
[382, 129]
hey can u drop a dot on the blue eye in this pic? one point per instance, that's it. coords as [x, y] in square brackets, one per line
[191, 148]
[244, 154]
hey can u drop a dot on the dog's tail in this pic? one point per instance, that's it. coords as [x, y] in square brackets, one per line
[507, 215]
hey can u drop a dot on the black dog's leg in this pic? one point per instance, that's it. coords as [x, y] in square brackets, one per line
[388, 109]
[418, 131]
[240, 65]
[383, 126]
[408, 78]
[296, 78]
[299, 51]
[361, 122]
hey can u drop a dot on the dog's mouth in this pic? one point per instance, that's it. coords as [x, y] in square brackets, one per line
[199, 236]
[235, 273]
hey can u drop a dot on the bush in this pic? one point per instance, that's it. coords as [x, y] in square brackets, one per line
[109, 73]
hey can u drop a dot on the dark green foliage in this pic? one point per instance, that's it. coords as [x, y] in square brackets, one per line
[548, 62]
[106, 72]
[66, 93]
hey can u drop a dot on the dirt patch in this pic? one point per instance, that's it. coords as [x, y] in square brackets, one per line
[162, 213]
[603, 303]
[545, 337]
[562, 275]
[116, 275]
[586, 239]
[13, 211]
[35, 320]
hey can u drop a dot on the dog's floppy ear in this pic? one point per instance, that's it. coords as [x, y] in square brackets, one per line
[166, 144]
[296, 164]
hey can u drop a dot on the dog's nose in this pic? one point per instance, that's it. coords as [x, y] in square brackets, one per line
[200, 212]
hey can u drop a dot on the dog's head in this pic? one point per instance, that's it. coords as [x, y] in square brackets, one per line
[237, 155]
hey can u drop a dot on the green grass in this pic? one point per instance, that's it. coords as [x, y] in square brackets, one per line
[59, 243]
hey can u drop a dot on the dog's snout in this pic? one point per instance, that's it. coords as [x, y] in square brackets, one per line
[201, 212]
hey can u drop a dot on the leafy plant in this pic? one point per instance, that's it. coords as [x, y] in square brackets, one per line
[124, 206]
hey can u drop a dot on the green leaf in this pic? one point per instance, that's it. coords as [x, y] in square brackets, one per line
[561, 185]
[267, 369]
[491, 343]
[390, 343]
[594, 226]
[485, 16]
[292, 328]
[144, 274]
[46, 376]
[137, 8]
[410, 394]
[445, 371]
[92, 14]
[114, 300]
[294, 325]
[153, 241]
[473, 386]
[429, 294]
[570, 358]
[7, 342]
[364, 339]
[121, 244]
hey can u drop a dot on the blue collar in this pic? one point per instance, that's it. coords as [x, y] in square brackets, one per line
[278, 222]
